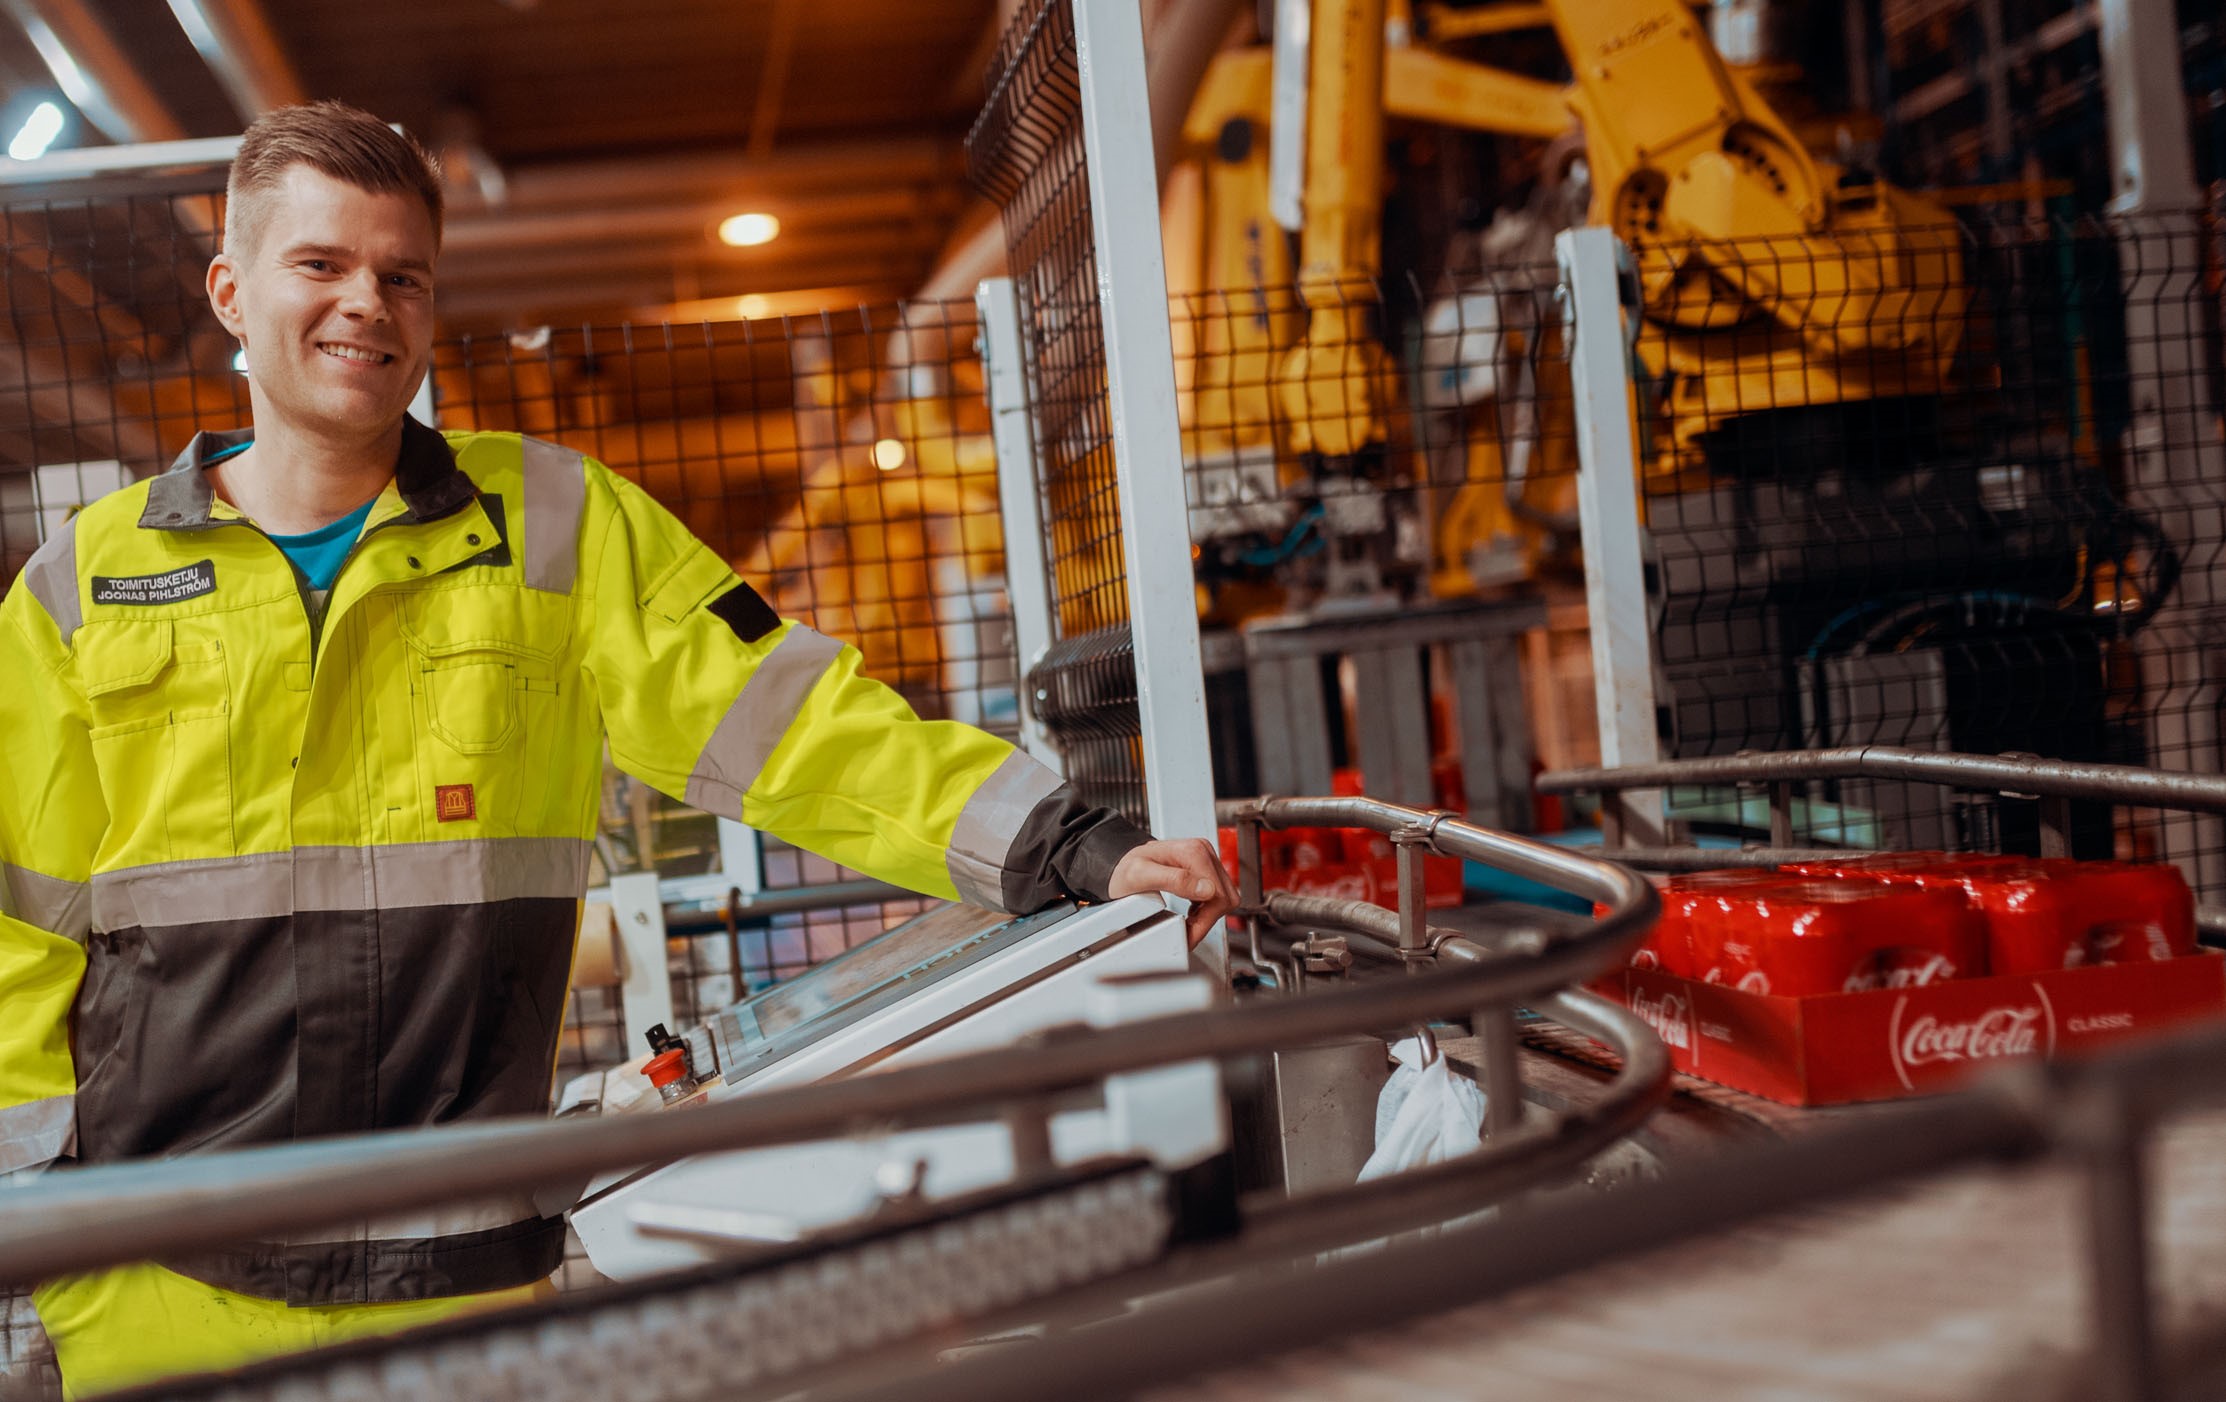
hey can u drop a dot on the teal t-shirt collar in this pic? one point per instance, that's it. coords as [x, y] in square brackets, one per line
[318, 554]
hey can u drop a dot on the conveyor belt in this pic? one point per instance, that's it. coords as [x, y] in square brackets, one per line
[1968, 1286]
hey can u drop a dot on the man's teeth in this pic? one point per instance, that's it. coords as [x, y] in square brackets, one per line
[353, 353]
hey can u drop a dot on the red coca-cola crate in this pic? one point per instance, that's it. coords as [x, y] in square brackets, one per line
[1669, 946]
[1882, 1044]
[1808, 935]
[2050, 914]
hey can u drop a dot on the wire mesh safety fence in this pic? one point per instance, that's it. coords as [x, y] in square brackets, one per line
[1965, 493]
[1375, 475]
[112, 359]
[1026, 153]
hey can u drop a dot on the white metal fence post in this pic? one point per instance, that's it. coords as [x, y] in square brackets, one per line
[1027, 574]
[1608, 512]
[645, 993]
[2175, 459]
[1147, 438]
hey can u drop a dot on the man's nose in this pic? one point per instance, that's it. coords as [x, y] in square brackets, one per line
[363, 295]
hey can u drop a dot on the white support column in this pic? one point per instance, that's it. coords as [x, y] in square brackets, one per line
[1147, 438]
[1294, 27]
[645, 989]
[741, 856]
[2175, 460]
[1608, 512]
[1027, 574]
[421, 403]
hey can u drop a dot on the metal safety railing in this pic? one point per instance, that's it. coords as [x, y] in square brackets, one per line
[2100, 1116]
[112, 1214]
[2051, 786]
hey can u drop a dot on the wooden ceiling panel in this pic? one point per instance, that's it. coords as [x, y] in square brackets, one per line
[624, 131]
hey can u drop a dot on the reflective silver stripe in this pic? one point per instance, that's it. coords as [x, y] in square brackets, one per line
[51, 576]
[982, 838]
[448, 1219]
[556, 497]
[48, 902]
[36, 1132]
[398, 877]
[753, 726]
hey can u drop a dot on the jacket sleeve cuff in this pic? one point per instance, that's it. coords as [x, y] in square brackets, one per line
[1025, 839]
[1085, 865]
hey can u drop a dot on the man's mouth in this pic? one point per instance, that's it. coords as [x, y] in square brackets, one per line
[355, 353]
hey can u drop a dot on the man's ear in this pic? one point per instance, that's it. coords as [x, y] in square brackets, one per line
[224, 293]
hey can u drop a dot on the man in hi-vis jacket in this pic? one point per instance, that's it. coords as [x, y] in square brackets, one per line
[299, 755]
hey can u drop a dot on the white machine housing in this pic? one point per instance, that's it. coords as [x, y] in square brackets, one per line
[957, 979]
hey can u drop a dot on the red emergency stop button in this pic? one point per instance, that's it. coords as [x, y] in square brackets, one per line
[665, 1068]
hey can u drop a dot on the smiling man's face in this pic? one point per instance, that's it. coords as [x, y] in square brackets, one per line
[334, 304]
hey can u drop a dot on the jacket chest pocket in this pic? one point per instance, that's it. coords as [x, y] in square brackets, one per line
[159, 706]
[477, 671]
[471, 702]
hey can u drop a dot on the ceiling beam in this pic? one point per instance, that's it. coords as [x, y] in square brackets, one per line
[772, 79]
[235, 38]
[93, 72]
[480, 231]
[724, 174]
[559, 263]
[804, 303]
[532, 303]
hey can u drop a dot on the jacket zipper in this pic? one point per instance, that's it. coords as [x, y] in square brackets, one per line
[311, 614]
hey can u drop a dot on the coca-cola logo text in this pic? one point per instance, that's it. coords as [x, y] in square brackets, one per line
[1998, 1032]
[1668, 1015]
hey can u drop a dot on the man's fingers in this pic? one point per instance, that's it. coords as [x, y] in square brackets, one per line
[1187, 867]
[1148, 875]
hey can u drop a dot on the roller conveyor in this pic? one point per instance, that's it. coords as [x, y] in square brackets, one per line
[1967, 1287]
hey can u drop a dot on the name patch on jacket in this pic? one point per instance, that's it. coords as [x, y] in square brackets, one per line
[174, 586]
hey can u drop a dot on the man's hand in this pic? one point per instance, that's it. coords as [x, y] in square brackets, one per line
[1185, 866]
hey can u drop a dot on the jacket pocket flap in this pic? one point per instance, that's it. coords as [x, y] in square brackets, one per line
[485, 618]
[122, 655]
[691, 580]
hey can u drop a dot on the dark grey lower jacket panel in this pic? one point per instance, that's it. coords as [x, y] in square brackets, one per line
[228, 1033]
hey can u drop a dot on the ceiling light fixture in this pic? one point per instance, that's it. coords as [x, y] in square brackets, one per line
[749, 230]
[888, 454]
[750, 306]
[38, 133]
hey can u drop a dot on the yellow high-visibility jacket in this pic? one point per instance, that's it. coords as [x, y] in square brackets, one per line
[268, 872]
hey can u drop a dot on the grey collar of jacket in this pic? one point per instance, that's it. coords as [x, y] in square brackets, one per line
[425, 473]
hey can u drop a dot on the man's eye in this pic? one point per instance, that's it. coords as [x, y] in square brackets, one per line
[317, 265]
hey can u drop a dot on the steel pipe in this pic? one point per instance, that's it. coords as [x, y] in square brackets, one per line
[1712, 858]
[1446, 835]
[1539, 1149]
[691, 919]
[2112, 783]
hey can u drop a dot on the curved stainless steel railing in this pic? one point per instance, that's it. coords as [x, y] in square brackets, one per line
[2098, 1115]
[2051, 783]
[102, 1216]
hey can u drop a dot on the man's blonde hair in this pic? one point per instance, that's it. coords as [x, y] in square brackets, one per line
[346, 143]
